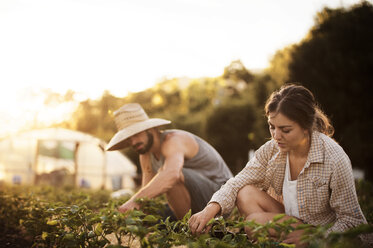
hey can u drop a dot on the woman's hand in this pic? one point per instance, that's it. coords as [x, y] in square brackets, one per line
[198, 221]
[295, 238]
[128, 205]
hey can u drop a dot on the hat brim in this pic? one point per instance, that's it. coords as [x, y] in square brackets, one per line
[119, 139]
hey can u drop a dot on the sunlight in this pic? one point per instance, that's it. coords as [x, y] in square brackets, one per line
[2, 172]
[128, 46]
[27, 109]
[50, 115]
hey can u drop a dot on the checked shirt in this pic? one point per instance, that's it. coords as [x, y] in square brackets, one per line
[325, 190]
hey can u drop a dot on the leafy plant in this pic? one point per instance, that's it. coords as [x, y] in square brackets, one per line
[50, 217]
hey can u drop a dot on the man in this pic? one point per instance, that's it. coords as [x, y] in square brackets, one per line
[175, 162]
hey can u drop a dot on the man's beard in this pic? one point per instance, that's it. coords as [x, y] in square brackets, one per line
[148, 145]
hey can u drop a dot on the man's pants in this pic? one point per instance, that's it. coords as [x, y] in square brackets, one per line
[200, 188]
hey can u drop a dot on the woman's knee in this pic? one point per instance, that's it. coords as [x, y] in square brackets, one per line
[251, 199]
[259, 217]
[246, 197]
[246, 194]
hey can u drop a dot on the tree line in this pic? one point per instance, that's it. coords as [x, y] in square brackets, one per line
[334, 60]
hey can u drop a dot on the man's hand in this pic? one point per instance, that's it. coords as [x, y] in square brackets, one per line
[129, 205]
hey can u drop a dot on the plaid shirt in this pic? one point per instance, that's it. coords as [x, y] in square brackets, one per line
[325, 189]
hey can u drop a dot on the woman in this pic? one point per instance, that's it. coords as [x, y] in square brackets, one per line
[301, 163]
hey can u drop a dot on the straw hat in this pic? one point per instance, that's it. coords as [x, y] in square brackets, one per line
[131, 119]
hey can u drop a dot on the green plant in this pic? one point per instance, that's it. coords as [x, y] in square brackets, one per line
[51, 217]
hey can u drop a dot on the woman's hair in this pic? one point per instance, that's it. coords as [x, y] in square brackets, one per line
[298, 104]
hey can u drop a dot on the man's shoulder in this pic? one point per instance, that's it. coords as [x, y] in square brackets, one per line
[177, 135]
[179, 140]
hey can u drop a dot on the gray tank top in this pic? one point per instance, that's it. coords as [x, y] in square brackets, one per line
[207, 161]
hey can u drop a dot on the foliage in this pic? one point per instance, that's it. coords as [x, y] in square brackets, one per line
[278, 69]
[50, 217]
[335, 62]
[96, 117]
[233, 145]
[191, 105]
[364, 191]
[236, 71]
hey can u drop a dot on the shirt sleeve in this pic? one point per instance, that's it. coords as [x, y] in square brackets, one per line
[253, 173]
[343, 198]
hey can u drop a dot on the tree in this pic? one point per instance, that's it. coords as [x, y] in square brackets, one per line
[335, 61]
[96, 116]
[236, 71]
[228, 129]
[278, 69]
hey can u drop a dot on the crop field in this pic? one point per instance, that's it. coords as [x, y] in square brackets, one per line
[67, 217]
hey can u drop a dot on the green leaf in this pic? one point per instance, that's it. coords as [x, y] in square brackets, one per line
[287, 245]
[278, 217]
[130, 221]
[212, 221]
[136, 213]
[303, 226]
[98, 229]
[52, 222]
[187, 216]
[133, 229]
[69, 236]
[150, 218]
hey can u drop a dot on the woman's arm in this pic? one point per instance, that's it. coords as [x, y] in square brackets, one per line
[254, 173]
[343, 198]
[198, 221]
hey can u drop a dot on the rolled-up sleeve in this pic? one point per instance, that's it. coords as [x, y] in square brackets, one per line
[343, 198]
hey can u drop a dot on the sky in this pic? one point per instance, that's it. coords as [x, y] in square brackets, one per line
[123, 46]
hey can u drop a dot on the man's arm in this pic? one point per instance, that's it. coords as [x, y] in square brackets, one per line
[146, 169]
[166, 177]
[174, 150]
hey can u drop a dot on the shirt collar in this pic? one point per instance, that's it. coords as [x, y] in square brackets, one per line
[316, 153]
